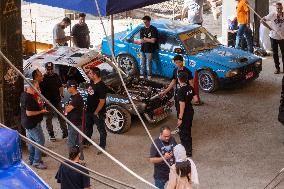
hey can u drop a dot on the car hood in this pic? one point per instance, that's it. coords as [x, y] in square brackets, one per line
[228, 57]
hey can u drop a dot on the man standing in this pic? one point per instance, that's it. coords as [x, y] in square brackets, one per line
[194, 9]
[243, 17]
[276, 34]
[74, 111]
[165, 144]
[31, 116]
[178, 60]
[69, 178]
[148, 36]
[52, 89]
[96, 106]
[185, 111]
[80, 33]
[59, 38]
[37, 75]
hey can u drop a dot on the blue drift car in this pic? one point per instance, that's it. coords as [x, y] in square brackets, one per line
[216, 65]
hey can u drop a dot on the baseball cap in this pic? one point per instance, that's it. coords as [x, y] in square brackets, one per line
[71, 83]
[49, 65]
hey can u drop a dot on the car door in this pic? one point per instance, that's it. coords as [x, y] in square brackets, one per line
[163, 65]
[134, 46]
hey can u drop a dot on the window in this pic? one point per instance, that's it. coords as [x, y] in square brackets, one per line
[136, 38]
[168, 42]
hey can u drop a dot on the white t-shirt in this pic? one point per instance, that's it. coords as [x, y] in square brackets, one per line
[58, 33]
[277, 24]
[195, 11]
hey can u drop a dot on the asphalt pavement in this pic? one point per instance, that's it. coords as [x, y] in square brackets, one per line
[237, 140]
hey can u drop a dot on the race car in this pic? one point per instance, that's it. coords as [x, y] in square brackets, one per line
[118, 107]
[214, 64]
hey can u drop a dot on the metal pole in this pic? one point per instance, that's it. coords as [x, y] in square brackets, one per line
[112, 32]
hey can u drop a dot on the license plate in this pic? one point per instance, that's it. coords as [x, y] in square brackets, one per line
[249, 75]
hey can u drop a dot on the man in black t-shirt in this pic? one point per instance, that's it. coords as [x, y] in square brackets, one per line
[74, 111]
[69, 178]
[185, 95]
[52, 89]
[148, 36]
[80, 33]
[178, 59]
[96, 106]
[165, 144]
[31, 116]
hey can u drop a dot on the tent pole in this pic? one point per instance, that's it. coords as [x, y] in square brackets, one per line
[112, 32]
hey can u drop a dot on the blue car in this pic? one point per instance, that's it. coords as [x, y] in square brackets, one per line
[214, 64]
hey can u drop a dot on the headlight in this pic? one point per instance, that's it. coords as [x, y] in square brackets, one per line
[232, 73]
[258, 64]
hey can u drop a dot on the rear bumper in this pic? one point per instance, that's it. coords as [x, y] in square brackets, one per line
[160, 113]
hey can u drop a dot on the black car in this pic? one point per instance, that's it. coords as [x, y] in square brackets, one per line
[119, 109]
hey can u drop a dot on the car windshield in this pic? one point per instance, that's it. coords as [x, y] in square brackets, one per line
[198, 40]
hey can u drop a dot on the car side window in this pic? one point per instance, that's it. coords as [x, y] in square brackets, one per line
[168, 42]
[136, 38]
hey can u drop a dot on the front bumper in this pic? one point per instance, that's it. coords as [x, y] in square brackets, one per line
[247, 73]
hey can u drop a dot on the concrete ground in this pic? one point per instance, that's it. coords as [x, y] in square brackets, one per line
[237, 140]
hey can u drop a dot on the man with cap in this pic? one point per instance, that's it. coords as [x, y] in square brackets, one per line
[59, 38]
[74, 111]
[178, 60]
[185, 95]
[52, 89]
[69, 178]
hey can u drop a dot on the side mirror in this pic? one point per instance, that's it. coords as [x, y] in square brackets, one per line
[178, 50]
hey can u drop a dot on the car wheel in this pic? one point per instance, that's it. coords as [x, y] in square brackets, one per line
[118, 120]
[207, 81]
[127, 63]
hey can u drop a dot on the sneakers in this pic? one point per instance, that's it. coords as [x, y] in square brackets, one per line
[39, 165]
[141, 77]
[176, 131]
[277, 71]
[52, 138]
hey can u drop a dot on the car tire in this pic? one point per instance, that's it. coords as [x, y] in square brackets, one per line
[118, 120]
[127, 63]
[207, 81]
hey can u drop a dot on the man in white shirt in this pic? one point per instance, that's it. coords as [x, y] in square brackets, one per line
[59, 38]
[276, 34]
[194, 9]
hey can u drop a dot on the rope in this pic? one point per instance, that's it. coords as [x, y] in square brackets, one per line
[49, 152]
[72, 125]
[278, 183]
[274, 178]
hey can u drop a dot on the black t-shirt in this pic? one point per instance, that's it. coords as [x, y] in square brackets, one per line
[71, 179]
[75, 115]
[29, 103]
[95, 93]
[50, 88]
[185, 94]
[175, 74]
[161, 170]
[80, 34]
[150, 32]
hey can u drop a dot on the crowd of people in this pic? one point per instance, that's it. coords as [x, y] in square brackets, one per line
[182, 172]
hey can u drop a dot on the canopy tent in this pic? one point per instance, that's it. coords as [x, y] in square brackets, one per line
[107, 7]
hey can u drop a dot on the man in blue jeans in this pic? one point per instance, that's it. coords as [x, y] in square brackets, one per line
[96, 106]
[148, 37]
[31, 116]
[74, 111]
[243, 17]
[165, 144]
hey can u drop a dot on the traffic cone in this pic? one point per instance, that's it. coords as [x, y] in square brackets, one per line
[196, 88]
